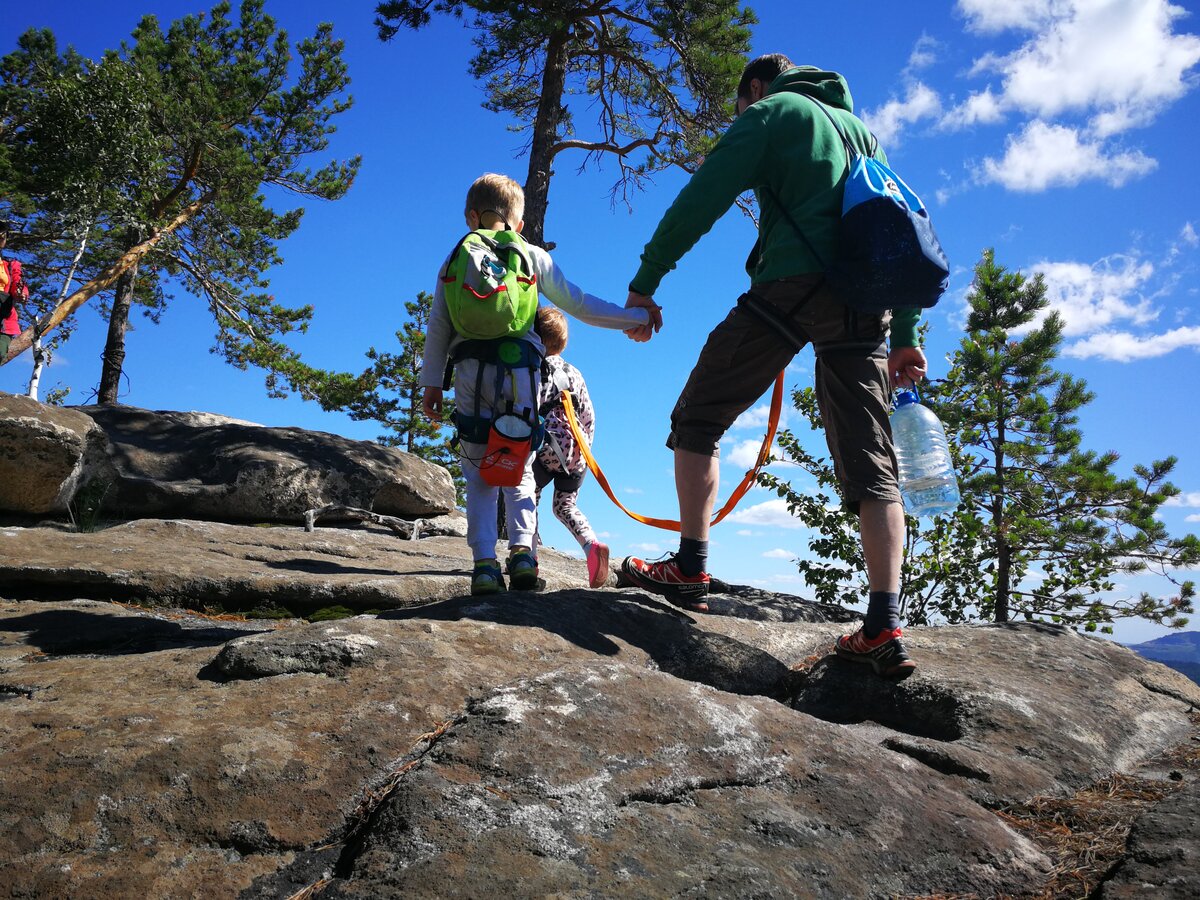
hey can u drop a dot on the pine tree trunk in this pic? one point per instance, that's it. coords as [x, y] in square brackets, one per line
[118, 323]
[40, 356]
[1003, 550]
[545, 136]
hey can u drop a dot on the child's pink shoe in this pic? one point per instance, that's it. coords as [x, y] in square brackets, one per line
[597, 560]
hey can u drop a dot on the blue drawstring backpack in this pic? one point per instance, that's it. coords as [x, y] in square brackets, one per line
[888, 255]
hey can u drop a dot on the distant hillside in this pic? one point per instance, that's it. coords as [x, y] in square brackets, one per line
[1179, 651]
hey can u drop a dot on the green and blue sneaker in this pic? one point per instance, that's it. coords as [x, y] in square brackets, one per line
[487, 578]
[522, 569]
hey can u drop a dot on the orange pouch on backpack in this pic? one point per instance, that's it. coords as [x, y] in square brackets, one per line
[503, 465]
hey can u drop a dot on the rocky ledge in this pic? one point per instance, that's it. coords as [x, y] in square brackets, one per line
[570, 741]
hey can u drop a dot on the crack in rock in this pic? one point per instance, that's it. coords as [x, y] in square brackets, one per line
[682, 793]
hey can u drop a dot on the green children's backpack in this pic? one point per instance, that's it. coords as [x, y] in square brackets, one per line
[490, 286]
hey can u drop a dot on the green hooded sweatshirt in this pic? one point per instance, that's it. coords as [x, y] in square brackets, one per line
[786, 143]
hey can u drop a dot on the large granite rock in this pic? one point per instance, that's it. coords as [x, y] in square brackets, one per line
[201, 565]
[576, 742]
[189, 465]
[45, 452]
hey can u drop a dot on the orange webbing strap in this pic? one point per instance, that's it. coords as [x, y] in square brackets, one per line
[671, 524]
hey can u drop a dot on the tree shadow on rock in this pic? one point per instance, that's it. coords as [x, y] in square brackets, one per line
[69, 632]
[596, 620]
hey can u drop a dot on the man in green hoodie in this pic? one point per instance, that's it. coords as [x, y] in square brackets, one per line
[785, 148]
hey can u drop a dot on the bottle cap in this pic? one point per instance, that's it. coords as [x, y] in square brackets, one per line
[903, 398]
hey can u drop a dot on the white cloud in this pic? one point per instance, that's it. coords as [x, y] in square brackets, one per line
[1124, 347]
[1192, 518]
[924, 53]
[648, 548]
[1188, 235]
[981, 108]
[746, 532]
[632, 490]
[1093, 297]
[1045, 155]
[1186, 498]
[889, 121]
[999, 15]
[743, 454]
[779, 553]
[1116, 59]
[772, 513]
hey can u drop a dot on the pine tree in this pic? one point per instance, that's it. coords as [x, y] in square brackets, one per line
[1045, 527]
[396, 398]
[218, 114]
[659, 76]
[1058, 522]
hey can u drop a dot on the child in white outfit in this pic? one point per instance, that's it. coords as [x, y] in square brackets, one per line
[497, 202]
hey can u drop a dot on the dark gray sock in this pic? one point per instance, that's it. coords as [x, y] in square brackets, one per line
[692, 556]
[883, 613]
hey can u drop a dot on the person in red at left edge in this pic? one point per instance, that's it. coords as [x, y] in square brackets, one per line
[12, 290]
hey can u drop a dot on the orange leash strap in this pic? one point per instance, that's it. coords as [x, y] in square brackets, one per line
[672, 524]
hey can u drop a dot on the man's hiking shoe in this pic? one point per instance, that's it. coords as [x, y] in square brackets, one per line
[665, 578]
[884, 653]
[597, 563]
[522, 571]
[486, 579]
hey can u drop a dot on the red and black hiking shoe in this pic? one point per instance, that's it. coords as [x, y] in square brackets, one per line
[884, 653]
[664, 577]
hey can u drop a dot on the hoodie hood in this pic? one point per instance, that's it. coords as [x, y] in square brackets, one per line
[828, 87]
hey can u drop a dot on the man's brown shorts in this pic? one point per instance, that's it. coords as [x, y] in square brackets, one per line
[744, 354]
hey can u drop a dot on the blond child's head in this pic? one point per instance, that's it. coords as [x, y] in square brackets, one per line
[551, 327]
[495, 201]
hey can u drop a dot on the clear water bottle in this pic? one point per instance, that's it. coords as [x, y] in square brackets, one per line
[927, 481]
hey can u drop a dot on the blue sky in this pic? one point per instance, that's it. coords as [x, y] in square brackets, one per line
[1062, 133]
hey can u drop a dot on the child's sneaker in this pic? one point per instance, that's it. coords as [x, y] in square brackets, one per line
[665, 578]
[522, 570]
[884, 653]
[597, 563]
[486, 579]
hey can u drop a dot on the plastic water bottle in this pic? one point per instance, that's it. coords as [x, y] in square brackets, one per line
[927, 481]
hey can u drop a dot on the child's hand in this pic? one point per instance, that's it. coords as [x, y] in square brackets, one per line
[643, 333]
[431, 402]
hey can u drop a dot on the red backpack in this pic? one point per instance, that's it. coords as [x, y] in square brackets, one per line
[17, 289]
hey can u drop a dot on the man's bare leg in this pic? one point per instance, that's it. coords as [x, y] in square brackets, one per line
[697, 476]
[881, 526]
[683, 578]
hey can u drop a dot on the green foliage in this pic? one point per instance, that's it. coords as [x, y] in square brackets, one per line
[395, 396]
[209, 112]
[331, 613]
[1058, 523]
[657, 77]
[86, 507]
[1045, 527]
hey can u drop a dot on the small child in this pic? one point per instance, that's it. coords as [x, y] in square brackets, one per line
[497, 203]
[560, 460]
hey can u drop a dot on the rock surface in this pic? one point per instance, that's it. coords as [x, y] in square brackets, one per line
[1163, 854]
[569, 742]
[171, 464]
[45, 452]
[578, 741]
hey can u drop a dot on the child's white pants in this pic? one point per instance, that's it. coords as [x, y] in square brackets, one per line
[520, 502]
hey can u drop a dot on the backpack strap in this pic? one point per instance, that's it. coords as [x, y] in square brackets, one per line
[557, 379]
[787, 215]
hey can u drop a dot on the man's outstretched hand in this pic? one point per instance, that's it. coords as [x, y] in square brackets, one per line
[643, 333]
[906, 366]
